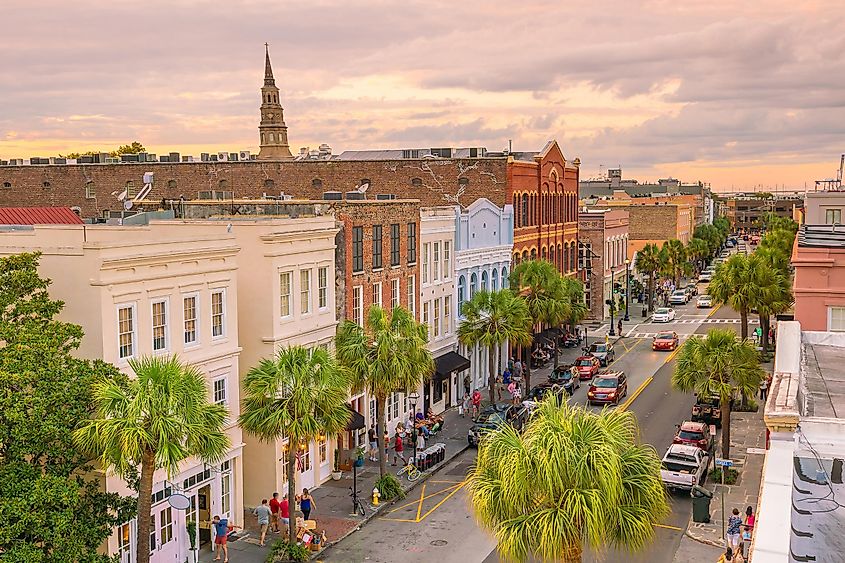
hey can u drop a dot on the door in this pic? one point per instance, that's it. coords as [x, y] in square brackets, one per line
[204, 511]
[305, 464]
[126, 542]
[166, 521]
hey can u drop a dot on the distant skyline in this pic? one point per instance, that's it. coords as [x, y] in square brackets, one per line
[739, 95]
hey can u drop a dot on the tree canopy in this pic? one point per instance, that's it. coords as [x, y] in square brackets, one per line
[134, 147]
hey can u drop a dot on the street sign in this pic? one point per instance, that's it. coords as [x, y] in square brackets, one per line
[724, 462]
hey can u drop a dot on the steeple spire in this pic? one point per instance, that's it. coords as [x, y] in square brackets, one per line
[268, 69]
[273, 133]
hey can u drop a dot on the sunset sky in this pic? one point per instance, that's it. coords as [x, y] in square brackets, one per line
[738, 94]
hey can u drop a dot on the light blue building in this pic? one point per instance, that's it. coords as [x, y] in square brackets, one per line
[483, 247]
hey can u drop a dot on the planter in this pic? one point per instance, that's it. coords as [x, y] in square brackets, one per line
[359, 462]
[336, 475]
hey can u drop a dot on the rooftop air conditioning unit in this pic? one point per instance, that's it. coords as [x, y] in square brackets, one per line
[243, 155]
[222, 156]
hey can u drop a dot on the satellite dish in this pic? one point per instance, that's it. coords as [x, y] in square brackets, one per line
[363, 187]
[179, 501]
[122, 195]
[127, 205]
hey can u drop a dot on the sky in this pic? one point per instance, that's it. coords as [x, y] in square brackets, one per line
[742, 95]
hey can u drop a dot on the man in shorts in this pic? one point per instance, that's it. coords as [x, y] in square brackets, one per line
[371, 438]
[221, 536]
[263, 513]
[274, 512]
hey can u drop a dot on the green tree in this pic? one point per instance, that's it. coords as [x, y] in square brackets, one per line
[676, 257]
[133, 148]
[744, 283]
[697, 250]
[723, 225]
[572, 480]
[650, 262]
[719, 364]
[51, 508]
[387, 355]
[492, 319]
[155, 420]
[300, 394]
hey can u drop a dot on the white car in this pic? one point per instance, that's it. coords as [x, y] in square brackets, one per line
[683, 467]
[663, 315]
[679, 297]
[705, 277]
[704, 302]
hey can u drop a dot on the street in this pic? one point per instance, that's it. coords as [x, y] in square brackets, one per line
[435, 522]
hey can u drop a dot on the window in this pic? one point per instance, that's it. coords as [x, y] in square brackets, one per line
[447, 314]
[130, 189]
[436, 261]
[377, 247]
[159, 325]
[189, 312]
[377, 294]
[305, 291]
[284, 292]
[393, 406]
[484, 280]
[494, 284]
[323, 450]
[436, 323]
[833, 216]
[90, 192]
[7, 185]
[425, 257]
[462, 283]
[218, 314]
[412, 296]
[220, 390]
[426, 316]
[152, 532]
[447, 257]
[323, 287]
[394, 293]
[473, 285]
[317, 183]
[166, 525]
[226, 487]
[124, 533]
[304, 459]
[126, 331]
[416, 182]
[412, 243]
[358, 305]
[171, 184]
[394, 244]
[837, 319]
[269, 184]
[357, 249]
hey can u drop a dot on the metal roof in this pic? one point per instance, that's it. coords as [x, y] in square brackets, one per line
[824, 236]
[38, 216]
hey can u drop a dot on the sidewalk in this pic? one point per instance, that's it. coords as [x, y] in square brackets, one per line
[333, 503]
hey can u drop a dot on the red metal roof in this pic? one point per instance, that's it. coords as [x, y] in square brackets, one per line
[38, 216]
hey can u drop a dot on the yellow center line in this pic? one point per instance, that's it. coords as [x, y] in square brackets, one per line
[636, 394]
[419, 506]
[436, 506]
[668, 527]
[617, 358]
[413, 503]
[716, 308]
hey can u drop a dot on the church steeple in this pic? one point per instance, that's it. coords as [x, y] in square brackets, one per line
[272, 131]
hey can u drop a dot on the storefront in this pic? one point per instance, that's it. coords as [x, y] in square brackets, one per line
[445, 382]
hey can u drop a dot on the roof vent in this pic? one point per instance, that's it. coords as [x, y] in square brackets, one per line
[354, 195]
[332, 196]
[385, 196]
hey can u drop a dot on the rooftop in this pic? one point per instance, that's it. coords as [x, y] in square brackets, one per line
[824, 236]
[38, 216]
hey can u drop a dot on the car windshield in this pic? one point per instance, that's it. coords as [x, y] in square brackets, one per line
[490, 418]
[686, 435]
[598, 348]
[606, 382]
[665, 337]
[662, 311]
[678, 292]
[585, 362]
[675, 467]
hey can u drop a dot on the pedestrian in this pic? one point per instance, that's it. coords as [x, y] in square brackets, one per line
[510, 364]
[306, 504]
[476, 403]
[517, 370]
[764, 389]
[619, 327]
[420, 440]
[284, 511]
[467, 383]
[274, 512]
[221, 536]
[732, 534]
[497, 382]
[263, 513]
[371, 438]
[748, 526]
[463, 406]
[398, 450]
[771, 335]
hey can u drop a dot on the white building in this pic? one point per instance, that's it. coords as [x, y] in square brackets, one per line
[483, 246]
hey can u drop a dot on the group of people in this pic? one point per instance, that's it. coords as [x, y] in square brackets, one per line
[470, 404]
[415, 431]
[739, 531]
[275, 515]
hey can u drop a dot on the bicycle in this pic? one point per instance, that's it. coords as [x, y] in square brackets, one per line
[411, 470]
[357, 505]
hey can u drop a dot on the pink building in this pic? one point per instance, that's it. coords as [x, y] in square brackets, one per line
[819, 260]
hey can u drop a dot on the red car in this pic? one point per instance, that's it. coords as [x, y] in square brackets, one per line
[588, 366]
[608, 387]
[665, 340]
[694, 434]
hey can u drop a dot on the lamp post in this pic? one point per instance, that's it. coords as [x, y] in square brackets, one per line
[612, 302]
[413, 397]
[627, 288]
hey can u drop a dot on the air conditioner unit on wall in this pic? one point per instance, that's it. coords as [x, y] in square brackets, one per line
[243, 155]
[222, 156]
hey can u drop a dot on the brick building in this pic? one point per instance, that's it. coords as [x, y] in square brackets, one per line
[746, 212]
[603, 247]
[654, 224]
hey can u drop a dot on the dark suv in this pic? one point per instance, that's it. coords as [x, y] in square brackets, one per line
[493, 417]
[708, 410]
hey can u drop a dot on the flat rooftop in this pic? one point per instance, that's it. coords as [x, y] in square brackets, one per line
[823, 368]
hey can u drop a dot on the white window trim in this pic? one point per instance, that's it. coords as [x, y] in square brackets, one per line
[412, 295]
[134, 307]
[395, 293]
[197, 319]
[360, 319]
[326, 289]
[166, 348]
[225, 380]
[224, 332]
[830, 309]
[378, 291]
[290, 294]
[308, 293]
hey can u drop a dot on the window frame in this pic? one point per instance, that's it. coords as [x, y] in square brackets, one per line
[357, 249]
[395, 257]
[435, 261]
[425, 263]
[378, 247]
[412, 243]
[322, 287]
[435, 317]
[222, 293]
[447, 314]
[378, 293]
[834, 214]
[90, 190]
[165, 528]
[196, 320]
[285, 298]
[395, 293]
[412, 295]
[224, 379]
[840, 310]
[447, 258]
[133, 332]
[358, 318]
[305, 291]
[426, 317]
[166, 326]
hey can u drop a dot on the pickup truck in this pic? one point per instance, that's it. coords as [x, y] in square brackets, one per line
[684, 467]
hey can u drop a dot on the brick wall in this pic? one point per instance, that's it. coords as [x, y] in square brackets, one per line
[433, 182]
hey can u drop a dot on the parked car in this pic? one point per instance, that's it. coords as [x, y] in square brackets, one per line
[684, 467]
[704, 301]
[729, 244]
[493, 417]
[603, 351]
[694, 434]
[663, 315]
[544, 390]
[562, 377]
[588, 366]
[679, 297]
[665, 340]
[608, 387]
[705, 276]
[708, 410]
[692, 289]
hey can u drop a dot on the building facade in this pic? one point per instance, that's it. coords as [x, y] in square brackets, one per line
[747, 212]
[603, 249]
[483, 246]
[653, 224]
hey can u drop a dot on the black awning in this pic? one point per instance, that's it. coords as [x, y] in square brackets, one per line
[356, 420]
[447, 364]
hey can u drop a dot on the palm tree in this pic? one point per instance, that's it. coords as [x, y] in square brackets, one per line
[697, 250]
[300, 395]
[744, 283]
[573, 479]
[676, 257]
[650, 261]
[388, 355]
[492, 319]
[719, 364]
[156, 420]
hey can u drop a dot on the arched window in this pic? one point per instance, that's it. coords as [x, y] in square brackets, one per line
[515, 258]
[317, 183]
[46, 184]
[505, 280]
[494, 277]
[473, 285]
[561, 264]
[552, 255]
[484, 281]
[533, 253]
[171, 184]
[7, 184]
[572, 256]
[544, 253]
[462, 288]
[523, 215]
[565, 257]
[269, 184]
[416, 182]
[223, 184]
[524, 255]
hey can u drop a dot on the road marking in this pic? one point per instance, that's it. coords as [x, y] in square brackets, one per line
[668, 527]
[418, 502]
[617, 358]
[673, 354]
[636, 394]
[436, 506]
[713, 312]
[419, 506]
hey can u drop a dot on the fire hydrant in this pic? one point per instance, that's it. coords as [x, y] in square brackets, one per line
[376, 495]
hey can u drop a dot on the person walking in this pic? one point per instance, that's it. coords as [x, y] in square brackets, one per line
[619, 327]
[398, 450]
[764, 389]
[466, 403]
[306, 504]
[467, 384]
[274, 512]
[263, 513]
[371, 438]
[733, 533]
[517, 370]
[221, 536]
[420, 440]
[284, 511]
[476, 403]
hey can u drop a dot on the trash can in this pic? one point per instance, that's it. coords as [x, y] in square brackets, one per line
[421, 461]
[701, 504]
[441, 451]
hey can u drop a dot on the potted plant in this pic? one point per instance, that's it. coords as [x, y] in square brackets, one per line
[191, 527]
[336, 472]
[359, 456]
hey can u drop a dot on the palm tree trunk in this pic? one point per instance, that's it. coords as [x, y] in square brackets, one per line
[145, 501]
[491, 376]
[764, 333]
[381, 426]
[572, 554]
[291, 471]
[651, 291]
[743, 321]
[726, 429]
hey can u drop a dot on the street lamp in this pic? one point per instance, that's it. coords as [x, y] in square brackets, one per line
[413, 397]
[612, 301]
[627, 288]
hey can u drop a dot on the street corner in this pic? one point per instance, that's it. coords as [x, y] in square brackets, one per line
[433, 494]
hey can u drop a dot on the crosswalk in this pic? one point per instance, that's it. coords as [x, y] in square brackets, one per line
[653, 334]
[713, 321]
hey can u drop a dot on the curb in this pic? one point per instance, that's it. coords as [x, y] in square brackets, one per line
[705, 541]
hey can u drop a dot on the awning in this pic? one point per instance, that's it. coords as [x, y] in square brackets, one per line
[448, 363]
[356, 420]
